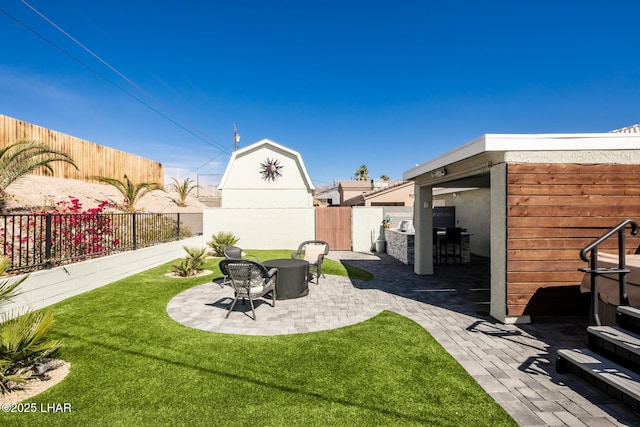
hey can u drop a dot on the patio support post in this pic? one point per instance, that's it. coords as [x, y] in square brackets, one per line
[423, 218]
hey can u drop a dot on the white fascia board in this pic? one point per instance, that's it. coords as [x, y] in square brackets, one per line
[472, 148]
[530, 142]
[563, 142]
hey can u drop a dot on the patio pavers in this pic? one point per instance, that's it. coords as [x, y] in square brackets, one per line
[513, 363]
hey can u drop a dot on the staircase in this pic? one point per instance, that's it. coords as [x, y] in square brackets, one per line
[611, 361]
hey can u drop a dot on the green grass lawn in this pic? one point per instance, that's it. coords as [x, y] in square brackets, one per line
[131, 365]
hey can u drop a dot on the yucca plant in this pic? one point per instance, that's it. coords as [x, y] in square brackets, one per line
[183, 189]
[192, 264]
[222, 240]
[23, 342]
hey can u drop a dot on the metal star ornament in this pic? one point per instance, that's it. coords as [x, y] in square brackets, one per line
[270, 169]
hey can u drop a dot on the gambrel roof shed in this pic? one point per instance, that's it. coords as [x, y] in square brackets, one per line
[266, 175]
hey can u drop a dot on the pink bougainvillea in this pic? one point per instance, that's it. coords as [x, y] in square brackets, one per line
[73, 232]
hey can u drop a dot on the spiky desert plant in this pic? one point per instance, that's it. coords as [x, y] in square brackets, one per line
[183, 189]
[192, 264]
[131, 192]
[25, 156]
[220, 241]
[23, 341]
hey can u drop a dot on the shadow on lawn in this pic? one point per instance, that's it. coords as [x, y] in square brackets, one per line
[238, 377]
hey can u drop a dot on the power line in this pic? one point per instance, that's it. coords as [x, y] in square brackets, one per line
[214, 143]
[112, 68]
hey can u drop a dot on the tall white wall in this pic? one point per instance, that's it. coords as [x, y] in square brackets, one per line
[45, 287]
[366, 227]
[279, 228]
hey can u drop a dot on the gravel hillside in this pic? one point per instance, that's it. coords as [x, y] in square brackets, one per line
[32, 192]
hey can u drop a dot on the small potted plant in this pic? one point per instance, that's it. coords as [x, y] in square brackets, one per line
[386, 222]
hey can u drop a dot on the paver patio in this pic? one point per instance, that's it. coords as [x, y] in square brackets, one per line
[513, 363]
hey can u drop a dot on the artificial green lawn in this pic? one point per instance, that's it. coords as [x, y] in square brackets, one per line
[132, 365]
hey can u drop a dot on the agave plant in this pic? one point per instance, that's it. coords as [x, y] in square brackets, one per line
[183, 189]
[23, 342]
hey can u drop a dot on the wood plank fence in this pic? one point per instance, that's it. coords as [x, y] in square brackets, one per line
[333, 225]
[92, 159]
[553, 211]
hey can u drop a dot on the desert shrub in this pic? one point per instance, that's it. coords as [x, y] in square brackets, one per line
[192, 264]
[23, 342]
[222, 240]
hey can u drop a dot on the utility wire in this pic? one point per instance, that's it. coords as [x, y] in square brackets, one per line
[112, 68]
[215, 144]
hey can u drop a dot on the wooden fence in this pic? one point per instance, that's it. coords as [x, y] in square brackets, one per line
[553, 211]
[92, 159]
[333, 225]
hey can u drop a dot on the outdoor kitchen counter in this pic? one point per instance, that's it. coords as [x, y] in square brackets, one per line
[401, 245]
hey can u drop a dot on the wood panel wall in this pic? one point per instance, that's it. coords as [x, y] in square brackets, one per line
[553, 211]
[92, 159]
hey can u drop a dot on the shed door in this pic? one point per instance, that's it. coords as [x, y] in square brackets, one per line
[333, 225]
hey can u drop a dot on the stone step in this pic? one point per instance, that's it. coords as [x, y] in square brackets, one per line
[613, 379]
[616, 344]
[629, 318]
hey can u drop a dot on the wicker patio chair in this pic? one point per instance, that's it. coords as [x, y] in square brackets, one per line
[250, 280]
[233, 252]
[313, 251]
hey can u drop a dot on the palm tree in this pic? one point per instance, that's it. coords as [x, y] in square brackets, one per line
[24, 156]
[130, 191]
[362, 173]
[183, 189]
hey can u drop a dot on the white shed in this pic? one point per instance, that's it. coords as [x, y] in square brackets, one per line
[266, 175]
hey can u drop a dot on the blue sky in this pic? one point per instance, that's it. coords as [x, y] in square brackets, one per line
[345, 83]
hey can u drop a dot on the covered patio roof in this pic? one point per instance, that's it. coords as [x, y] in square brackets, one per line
[514, 143]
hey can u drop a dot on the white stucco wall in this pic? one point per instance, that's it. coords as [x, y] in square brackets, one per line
[267, 228]
[473, 212]
[46, 287]
[243, 185]
[366, 227]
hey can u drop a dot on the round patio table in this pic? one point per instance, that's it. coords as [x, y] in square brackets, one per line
[292, 277]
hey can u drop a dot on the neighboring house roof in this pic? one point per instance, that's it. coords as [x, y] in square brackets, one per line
[368, 185]
[377, 192]
[355, 185]
[267, 143]
[628, 129]
[328, 192]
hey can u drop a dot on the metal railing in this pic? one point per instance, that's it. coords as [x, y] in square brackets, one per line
[590, 254]
[39, 241]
